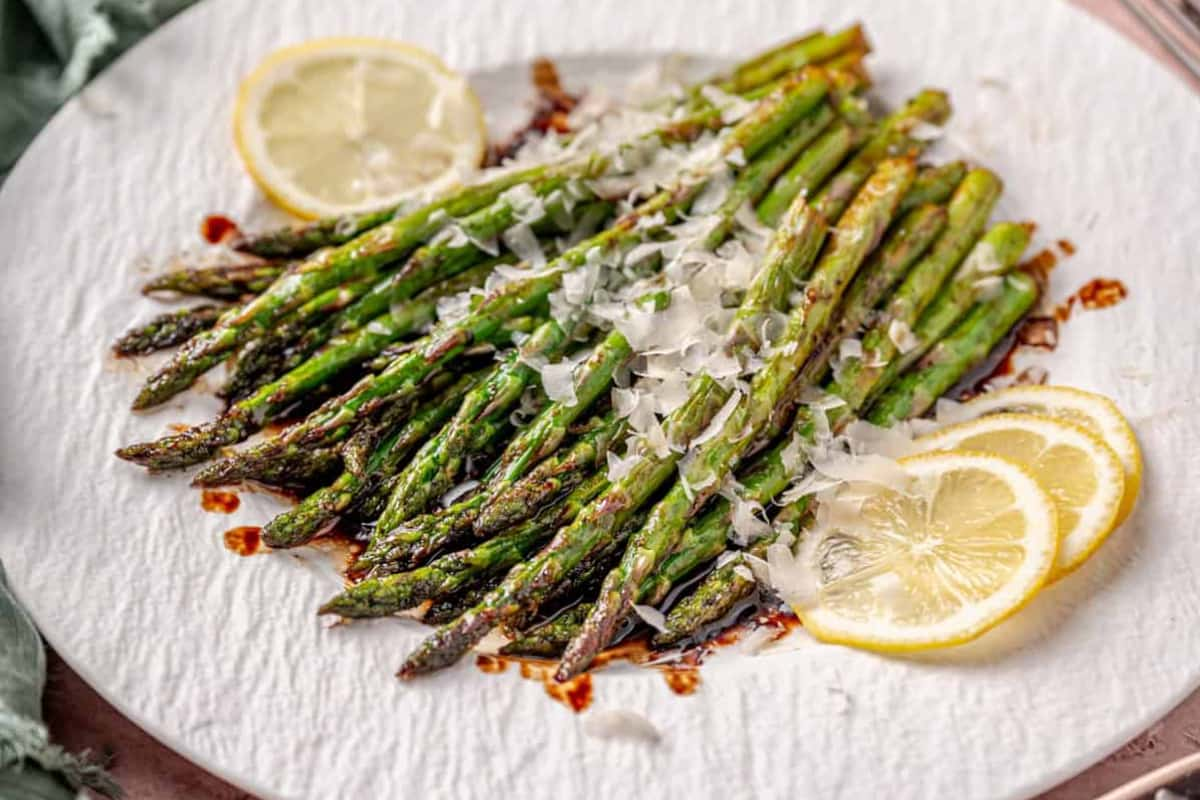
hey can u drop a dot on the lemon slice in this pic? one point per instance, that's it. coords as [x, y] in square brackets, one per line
[968, 541]
[340, 125]
[1094, 412]
[1073, 465]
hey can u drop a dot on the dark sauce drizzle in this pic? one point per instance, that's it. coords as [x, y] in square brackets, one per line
[551, 107]
[217, 228]
[244, 540]
[219, 502]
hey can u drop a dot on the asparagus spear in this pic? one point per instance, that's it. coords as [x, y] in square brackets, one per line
[858, 232]
[757, 178]
[729, 585]
[548, 639]
[321, 509]
[509, 498]
[527, 584]
[967, 214]
[582, 578]
[912, 236]
[388, 594]
[224, 282]
[706, 538]
[810, 49]
[545, 433]
[970, 341]
[928, 106]
[496, 508]
[197, 444]
[297, 241]
[789, 257]
[449, 608]
[451, 255]
[294, 469]
[265, 354]
[436, 466]
[245, 416]
[701, 543]
[934, 185]
[167, 330]
[994, 255]
[297, 344]
[810, 169]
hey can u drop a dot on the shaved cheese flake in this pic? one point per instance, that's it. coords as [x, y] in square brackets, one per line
[864, 437]
[752, 232]
[746, 522]
[812, 483]
[521, 239]
[739, 264]
[717, 424]
[450, 236]
[620, 724]
[988, 288]
[850, 348]
[578, 285]
[454, 307]
[948, 412]
[817, 398]
[558, 383]
[902, 336]
[620, 466]
[793, 578]
[821, 430]
[527, 206]
[982, 260]
[458, 491]
[792, 455]
[743, 572]
[655, 439]
[715, 190]
[636, 405]
[924, 131]
[670, 393]
[732, 106]
[651, 222]
[865, 468]
[651, 616]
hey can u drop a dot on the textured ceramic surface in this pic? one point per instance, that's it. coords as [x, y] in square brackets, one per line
[221, 657]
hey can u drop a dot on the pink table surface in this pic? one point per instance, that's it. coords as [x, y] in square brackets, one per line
[80, 719]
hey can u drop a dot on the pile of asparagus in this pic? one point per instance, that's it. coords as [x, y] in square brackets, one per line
[465, 372]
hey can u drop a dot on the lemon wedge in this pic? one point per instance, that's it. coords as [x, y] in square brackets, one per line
[1092, 411]
[1073, 465]
[965, 543]
[340, 125]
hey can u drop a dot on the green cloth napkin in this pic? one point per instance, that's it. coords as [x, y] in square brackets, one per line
[48, 51]
[31, 768]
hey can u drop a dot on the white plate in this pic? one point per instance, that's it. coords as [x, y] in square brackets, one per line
[222, 658]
